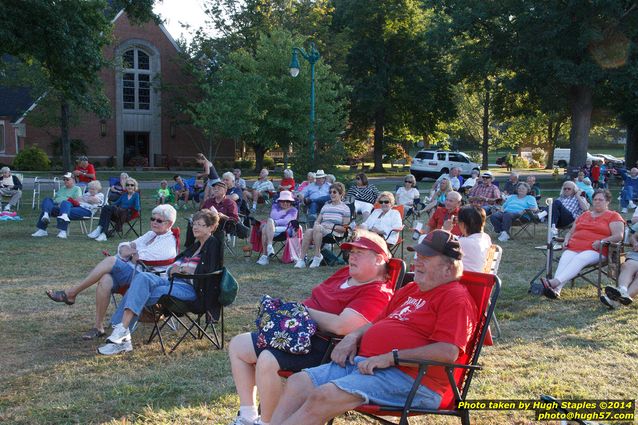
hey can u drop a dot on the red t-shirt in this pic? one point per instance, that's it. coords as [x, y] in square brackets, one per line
[589, 229]
[288, 182]
[415, 318]
[595, 172]
[368, 300]
[90, 169]
[440, 215]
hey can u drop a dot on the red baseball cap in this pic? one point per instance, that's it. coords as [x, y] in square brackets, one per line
[366, 243]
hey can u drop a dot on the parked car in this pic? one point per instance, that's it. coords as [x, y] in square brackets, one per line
[433, 163]
[561, 157]
[615, 162]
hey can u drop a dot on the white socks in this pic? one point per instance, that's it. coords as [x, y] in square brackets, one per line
[248, 412]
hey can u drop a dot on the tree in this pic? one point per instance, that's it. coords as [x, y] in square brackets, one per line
[62, 41]
[253, 98]
[399, 78]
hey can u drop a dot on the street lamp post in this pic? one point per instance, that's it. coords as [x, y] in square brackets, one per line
[312, 56]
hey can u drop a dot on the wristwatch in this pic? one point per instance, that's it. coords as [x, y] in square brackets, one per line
[395, 356]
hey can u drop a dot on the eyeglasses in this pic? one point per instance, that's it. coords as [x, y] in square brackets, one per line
[407, 181]
[130, 185]
[486, 177]
[66, 179]
[157, 220]
[567, 188]
[384, 202]
[334, 191]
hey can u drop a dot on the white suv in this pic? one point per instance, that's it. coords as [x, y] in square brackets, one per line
[430, 163]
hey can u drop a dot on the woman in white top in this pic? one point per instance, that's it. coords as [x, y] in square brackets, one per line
[81, 208]
[408, 193]
[385, 221]
[475, 243]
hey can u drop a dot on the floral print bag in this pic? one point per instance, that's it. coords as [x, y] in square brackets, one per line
[285, 326]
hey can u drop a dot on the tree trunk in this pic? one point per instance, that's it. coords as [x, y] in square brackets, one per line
[379, 124]
[550, 145]
[486, 125]
[64, 135]
[631, 148]
[580, 102]
[259, 157]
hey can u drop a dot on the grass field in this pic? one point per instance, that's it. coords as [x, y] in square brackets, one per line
[572, 348]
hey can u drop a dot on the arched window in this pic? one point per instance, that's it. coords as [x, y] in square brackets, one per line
[136, 79]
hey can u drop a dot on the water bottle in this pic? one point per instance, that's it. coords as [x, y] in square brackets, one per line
[417, 234]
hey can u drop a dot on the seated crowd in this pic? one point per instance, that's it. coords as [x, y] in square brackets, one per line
[431, 318]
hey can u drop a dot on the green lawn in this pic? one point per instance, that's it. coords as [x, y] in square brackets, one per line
[572, 348]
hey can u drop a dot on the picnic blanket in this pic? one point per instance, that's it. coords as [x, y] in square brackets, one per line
[9, 216]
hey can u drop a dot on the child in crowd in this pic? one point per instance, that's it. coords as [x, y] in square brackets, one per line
[164, 195]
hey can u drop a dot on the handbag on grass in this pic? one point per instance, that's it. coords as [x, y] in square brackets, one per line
[285, 326]
[228, 288]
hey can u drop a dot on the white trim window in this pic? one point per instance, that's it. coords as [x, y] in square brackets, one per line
[136, 79]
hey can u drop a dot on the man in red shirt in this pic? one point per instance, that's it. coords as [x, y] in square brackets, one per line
[432, 318]
[446, 217]
[84, 172]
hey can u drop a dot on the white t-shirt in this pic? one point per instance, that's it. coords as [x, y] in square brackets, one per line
[407, 197]
[475, 248]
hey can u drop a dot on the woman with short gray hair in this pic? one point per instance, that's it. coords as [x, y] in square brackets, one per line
[513, 207]
[84, 207]
[10, 186]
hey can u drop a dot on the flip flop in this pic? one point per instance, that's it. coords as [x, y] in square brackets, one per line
[59, 297]
[549, 292]
[93, 334]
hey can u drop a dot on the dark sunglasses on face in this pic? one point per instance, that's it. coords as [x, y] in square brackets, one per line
[66, 179]
[384, 202]
[157, 220]
[407, 181]
[130, 185]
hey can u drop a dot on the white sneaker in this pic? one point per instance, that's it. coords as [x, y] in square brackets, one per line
[316, 261]
[270, 250]
[609, 302]
[101, 238]
[632, 205]
[62, 234]
[503, 236]
[554, 231]
[541, 215]
[40, 233]
[64, 217]
[95, 233]
[623, 211]
[111, 349]
[263, 260]
[7, 208]
[300, 264]
[45, 217]
[242, 421]
[119, 334]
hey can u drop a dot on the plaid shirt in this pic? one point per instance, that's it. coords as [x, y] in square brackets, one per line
[571, 204]
[481, 190]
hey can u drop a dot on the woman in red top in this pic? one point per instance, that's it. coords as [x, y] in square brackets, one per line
[347, 300]
[288, 182]
[586, 241]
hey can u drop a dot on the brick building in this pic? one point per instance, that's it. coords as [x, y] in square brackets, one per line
[145, 126]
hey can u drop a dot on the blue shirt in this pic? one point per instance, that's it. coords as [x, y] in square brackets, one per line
[514, 204]
[126, 203]
[314, 191]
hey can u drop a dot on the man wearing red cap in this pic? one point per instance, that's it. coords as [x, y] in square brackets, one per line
[351, 297]
[432, 318]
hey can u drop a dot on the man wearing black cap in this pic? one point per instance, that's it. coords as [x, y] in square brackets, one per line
[432, 318]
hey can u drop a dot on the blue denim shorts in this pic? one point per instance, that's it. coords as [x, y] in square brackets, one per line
[388, 387]
[122, 273]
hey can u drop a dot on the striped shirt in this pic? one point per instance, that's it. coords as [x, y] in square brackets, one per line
[571, 204]
[334, 214]
[367, 194]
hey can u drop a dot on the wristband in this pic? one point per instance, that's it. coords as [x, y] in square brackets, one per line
[395, 356]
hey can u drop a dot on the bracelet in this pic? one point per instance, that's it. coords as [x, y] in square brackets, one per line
[395, 356]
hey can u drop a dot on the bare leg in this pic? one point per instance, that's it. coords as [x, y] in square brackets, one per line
[242, 362]
[305, 244]
[298, 389]
[269, 384]
[102, 300]
[267, 234]
[104, 267]
[317, 237]
[324, 403]
[627, 273]
[127, 317]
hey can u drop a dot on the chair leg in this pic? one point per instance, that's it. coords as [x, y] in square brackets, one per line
[497, 327]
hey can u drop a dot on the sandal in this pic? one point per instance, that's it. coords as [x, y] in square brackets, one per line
[59, 297]
[93, 334]
[548, 291]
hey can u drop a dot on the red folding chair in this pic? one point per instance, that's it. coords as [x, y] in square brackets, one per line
[484, 289]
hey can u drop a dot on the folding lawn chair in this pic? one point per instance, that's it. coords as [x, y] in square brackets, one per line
[522, 224]
[333, 238]
[484, 289]
[189, 314]
[492, 263]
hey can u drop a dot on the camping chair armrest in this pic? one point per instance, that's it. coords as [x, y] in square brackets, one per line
[423, 366]
[186, 276]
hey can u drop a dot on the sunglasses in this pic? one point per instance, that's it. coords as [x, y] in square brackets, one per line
[157, 220]
[66, 179]
[384, 202]
[334, 191]
[407, 181]
[486, 178]
[130, 185]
